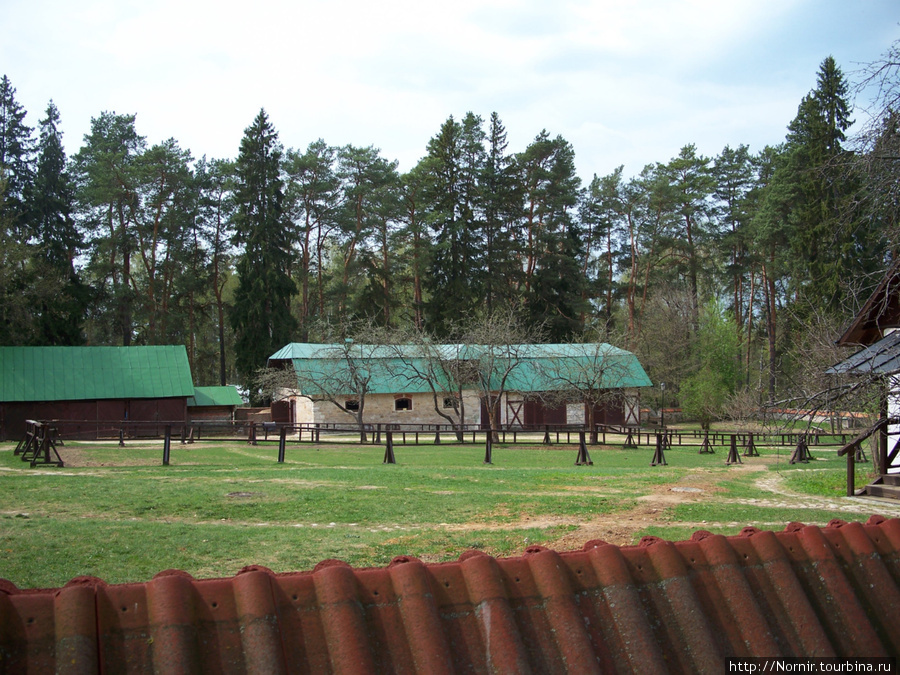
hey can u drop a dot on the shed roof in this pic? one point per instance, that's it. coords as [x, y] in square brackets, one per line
[215, 396]
[880, 358]
[653, 608]
[391, 369]
[881, 311]
[89, 373]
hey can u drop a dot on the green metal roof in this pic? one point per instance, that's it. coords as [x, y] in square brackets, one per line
[88, 373]
[539, 367]
[214, 396]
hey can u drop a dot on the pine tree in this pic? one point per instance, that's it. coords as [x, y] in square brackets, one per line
[691, 186]
[58, 241]
[313, 198]
[105, 171]
[502, 204]
[733, 171]
[415, 240]
[16, 149]
[369, 214]
[824, 246]
[261, 315]
[554, 284]
[603, 214]
[215, 181]
[455, 156]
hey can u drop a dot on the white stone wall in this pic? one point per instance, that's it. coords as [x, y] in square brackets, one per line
[380, 409]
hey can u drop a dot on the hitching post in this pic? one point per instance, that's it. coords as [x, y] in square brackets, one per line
[282, 441]
[167, 445]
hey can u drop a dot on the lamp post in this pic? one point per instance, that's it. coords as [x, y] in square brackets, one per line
[662, 410]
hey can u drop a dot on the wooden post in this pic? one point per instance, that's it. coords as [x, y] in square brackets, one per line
[750, 450]
[883, 435]
[733, 456]
[659, 457]
[167, 445]
[282, 442]
[389, 448]
[583, 457]
[851, 472]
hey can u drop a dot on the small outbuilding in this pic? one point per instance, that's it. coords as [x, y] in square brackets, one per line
[94, 388]
[213, 403]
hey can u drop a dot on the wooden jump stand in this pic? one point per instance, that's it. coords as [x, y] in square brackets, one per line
[801, 452]
[583, 459]
[38, 443]
[659, 456]
[750, 448]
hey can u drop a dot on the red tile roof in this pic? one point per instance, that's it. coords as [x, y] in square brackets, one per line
[656, 607]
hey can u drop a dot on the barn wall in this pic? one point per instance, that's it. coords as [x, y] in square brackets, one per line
[85, 419]
[211, 413]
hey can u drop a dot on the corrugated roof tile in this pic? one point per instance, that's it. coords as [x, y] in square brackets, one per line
[653, 608]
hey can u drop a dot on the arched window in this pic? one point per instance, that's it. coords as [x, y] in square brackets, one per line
[402, 403]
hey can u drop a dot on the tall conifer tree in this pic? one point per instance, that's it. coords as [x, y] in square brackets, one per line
[105, 170]
[16, 149]
[554, 283]
[261, 315]
[455, 157]
[825, 247]
[58, 241]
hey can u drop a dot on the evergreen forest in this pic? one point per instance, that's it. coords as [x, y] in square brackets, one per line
[729, 276]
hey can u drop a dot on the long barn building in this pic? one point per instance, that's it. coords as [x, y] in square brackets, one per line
[536, 384]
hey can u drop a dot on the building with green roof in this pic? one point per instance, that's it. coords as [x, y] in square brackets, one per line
[214, 403]
[536, 384]
[93, 384]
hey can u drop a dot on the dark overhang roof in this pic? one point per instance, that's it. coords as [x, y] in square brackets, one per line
[881, 310]
[652, 608]
[881, 358]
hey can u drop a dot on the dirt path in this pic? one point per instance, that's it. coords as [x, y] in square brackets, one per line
[621, 529]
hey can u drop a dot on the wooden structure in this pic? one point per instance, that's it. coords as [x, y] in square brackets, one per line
[38, 443]
[876, 328]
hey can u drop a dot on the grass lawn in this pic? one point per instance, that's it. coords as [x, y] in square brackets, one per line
[118, 514]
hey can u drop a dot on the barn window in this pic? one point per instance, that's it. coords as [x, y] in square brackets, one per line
[352, 405]
[450, 402]
[403, 403]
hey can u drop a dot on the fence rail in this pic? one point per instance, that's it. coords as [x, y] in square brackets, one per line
[603, 434]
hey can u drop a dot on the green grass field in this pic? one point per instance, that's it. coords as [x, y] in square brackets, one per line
[118, 514]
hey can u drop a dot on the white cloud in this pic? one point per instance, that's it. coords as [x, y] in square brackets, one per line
[625, 83]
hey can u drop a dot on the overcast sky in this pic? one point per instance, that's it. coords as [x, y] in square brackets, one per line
[625, 82]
